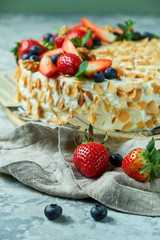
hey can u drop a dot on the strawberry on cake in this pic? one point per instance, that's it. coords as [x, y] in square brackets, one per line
[107, 76]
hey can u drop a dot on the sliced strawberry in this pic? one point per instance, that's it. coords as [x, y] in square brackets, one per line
[68, 47]
[80, 33]
[118, 30]
[77, 27]
[100, 32]
[26, 44]
[46, 67]
[97, 65]
[52, 52]
[58, 41]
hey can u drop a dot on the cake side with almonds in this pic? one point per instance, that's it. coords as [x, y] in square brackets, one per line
[128, 102]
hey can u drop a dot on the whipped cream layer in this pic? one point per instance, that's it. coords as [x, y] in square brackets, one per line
[131, 102]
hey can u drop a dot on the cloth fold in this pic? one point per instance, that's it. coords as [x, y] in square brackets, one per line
[40, 156]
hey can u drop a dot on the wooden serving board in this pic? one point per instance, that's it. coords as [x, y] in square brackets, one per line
[13, 118]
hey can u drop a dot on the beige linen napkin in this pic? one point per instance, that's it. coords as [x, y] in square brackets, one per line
[40, 156]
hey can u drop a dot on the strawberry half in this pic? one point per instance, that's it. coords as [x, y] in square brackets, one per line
[97, 65]
[78, 26]
[142, 164]
[100, 32]
[91, 159]
[26, 44]
[58, 41]
[52, 52]
[68, 47]
[46, 67]
[80, 33]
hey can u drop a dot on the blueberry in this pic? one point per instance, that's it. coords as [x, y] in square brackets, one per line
[98, 212]
[54, 58]
[98, 76]
[26, 56]
[110, 73]
[53, 211]
[47, 36]
[35, 50]
[96, 42]
[51, 39]
[117, 34]
[116, 159]
[147, 35]
[136, 36]
[34, 57]
[86, 46]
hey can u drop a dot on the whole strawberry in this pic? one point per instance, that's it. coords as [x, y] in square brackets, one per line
[68, 63]
[25, 45]
[142, 164]
[91, 159]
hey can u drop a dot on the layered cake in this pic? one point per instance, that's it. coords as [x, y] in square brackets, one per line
[108, 76]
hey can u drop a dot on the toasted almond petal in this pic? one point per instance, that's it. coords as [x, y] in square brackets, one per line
[50, 99]
[74, 92]
[81, 99]
[38, 83]
[138, 95]
[114, 120]
[115, 111]
[40, 111]
[155, 87]
[60, 103]
[98, 88]
[19, 96]
[152, 107]
[34, 94]
[131, 94]
[89, 95]
[68, 90]
[141, 124]
[92, 117]
[111, 88]
[123, 115]
[24, 78]
[148, 91]
[133, 105]
[96, 103]
[29, 106]
[142, 105]
[129, 87]
[127, 126]
[150, 124]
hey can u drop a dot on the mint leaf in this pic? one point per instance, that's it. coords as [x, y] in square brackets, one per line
[152, 174]
[148, 168]
[48, 45]
[122, 26]
[81, 69]
[153, 155]
[158, 156]
[129, 24]
[57, 29]
[85, 37]
[150, 145]
[145, 154]
[76, 41]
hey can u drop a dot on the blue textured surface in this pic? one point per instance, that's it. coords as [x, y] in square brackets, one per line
[21, 208]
